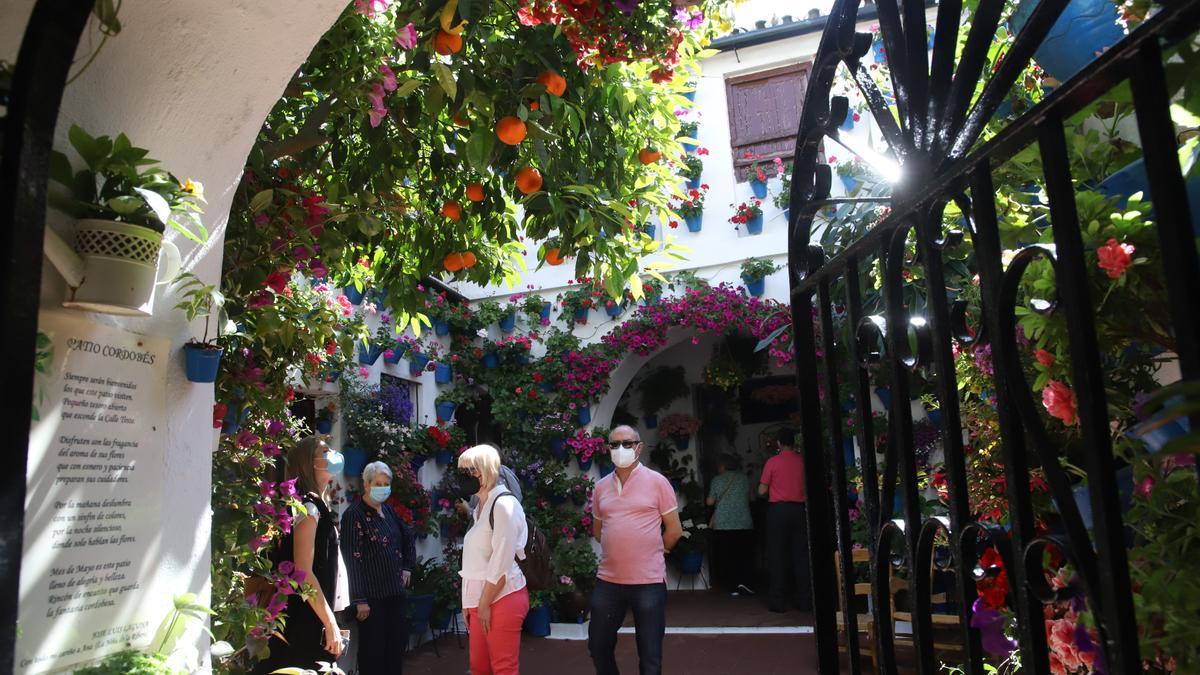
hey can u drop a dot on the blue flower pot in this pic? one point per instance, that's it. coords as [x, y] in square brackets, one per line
[441, 327]
[849, 182]
[421, 608]
[787, 216]
[848, 451]
[848, 123]
[935, 417]
[545, 316]
[443, 457]
[694, 222]
[234, 417]
[756, 287]
[397, 354]
[585, 415]
[490, 360]
[613, 309]
[651, 421]
[759, 188]
[581, 315]
[545, 387]
[693, 184]
[417, 462]
[558, 449]
[1132, 178]
[690, 95]
[537, 621]
[691, 562]
[1084, 28]
[416, 364]
[443, 373]
[369, 355]
[584, 464]
[202, 364]
[354, 295]
[445, 410]
[508, 322]
[356, 461]
[885, 397]
[754, 225]
[607, 468]
[324, 426]
[877, 51]
[681, 442]
[651, 230]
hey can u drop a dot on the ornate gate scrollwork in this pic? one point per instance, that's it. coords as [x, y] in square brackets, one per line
[931, 107]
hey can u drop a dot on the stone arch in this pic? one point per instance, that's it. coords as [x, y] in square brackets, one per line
[624, 373]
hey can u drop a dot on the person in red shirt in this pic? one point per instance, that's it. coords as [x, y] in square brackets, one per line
[782, 483]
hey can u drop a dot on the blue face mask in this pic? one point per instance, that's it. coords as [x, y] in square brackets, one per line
[379, 494]
[334, 462]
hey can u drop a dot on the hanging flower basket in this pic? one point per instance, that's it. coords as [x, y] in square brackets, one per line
[508, 322]
[324, 426]
[441, 328]
[694, 222]
[443, 373]
[445, 410]
[757, 287]
[759, 188]
[202, 361]
[584, 464]
[368, 355]
[417, 363]
[585, 414]
[490, 360]
[545, 315]
[754, 225]
[558, 449]
[581, 316]
[356, 461]
[613, 309]
[120, 267]
[443, 457]
[393, 355]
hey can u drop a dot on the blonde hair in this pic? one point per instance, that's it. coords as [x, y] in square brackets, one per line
[486, 460]
[300, 465]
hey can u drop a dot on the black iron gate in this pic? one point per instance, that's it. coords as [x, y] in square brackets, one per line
[935, 140]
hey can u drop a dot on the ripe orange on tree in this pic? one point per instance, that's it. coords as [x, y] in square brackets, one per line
[453, 262]
[553, 82]
[529, 180]
[649, 155]
[461, 121]
[511, 130]
[452, 210]
[469, 259]
[554, 257]
[446, 43]
[475, 192]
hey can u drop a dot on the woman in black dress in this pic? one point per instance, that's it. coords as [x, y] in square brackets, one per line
[310, 633]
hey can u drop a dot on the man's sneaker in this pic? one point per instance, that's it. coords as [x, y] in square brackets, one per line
[744, 590]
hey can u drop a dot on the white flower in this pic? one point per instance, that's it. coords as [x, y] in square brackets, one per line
[482, 332]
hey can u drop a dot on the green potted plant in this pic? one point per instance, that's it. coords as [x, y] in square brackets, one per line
[203, 358]
[123, 204]
[690, 169]
[574, 561]
[755, 272]
[749, 214]
[659, 388]
[785, 186]
[679, 427]
[691, 207]
[577, 303]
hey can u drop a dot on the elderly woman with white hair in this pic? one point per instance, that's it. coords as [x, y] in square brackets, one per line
[494, 596]
[380, 556]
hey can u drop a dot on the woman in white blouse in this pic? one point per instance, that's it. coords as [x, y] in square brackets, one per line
[493, 589]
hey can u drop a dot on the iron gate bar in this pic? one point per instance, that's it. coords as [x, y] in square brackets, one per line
[934, 115]
[47, 48]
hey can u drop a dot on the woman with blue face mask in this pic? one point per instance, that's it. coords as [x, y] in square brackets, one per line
[311, 633]
[379, 551]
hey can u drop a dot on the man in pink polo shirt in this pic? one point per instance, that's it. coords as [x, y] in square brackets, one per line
[630, 507]
[787, 526]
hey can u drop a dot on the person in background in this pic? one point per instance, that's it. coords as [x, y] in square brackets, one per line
[787, 526]
[380, 555]
[311, 632]
[732, 527]
[494, 596]
[631, 507]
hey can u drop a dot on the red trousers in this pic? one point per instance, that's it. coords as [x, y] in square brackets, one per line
[498, 651]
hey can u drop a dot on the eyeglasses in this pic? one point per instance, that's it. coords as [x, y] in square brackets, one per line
[622, 444]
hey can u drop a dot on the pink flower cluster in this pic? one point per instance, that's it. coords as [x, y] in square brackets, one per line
[287, 582]
[1059, 401]
[587, 375]
[585, 445]
[711, 309]
[1115, 258]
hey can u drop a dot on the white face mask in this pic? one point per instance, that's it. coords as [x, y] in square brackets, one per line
[624, 457]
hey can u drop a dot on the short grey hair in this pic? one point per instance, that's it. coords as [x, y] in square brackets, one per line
[637, 436]
[373, 469]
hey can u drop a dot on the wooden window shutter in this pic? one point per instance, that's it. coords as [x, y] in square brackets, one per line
[764, 115]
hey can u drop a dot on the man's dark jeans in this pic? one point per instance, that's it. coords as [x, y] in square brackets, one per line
[787, 555]
[610, 602]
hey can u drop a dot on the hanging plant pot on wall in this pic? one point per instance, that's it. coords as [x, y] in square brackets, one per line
[354, 295]
[694, 222]
[759, 188]
[202, 361]
[754, 225]
[756, 287]
[443, 373]
[508, 322]
[121, 267]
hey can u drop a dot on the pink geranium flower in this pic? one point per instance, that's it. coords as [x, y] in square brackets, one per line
[1044, 357]
[389, 77]
[1059, 401]
[406, 37]
[1115, 258]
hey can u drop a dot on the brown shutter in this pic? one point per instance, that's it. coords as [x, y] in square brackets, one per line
[764, 115]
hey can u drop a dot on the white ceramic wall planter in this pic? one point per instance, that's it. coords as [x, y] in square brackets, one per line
[121, 267]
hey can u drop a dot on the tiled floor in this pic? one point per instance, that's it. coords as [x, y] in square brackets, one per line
[684, 654]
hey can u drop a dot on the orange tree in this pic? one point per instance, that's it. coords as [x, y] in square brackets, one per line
[420, 138]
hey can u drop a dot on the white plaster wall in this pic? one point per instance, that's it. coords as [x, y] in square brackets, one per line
[191, 82]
